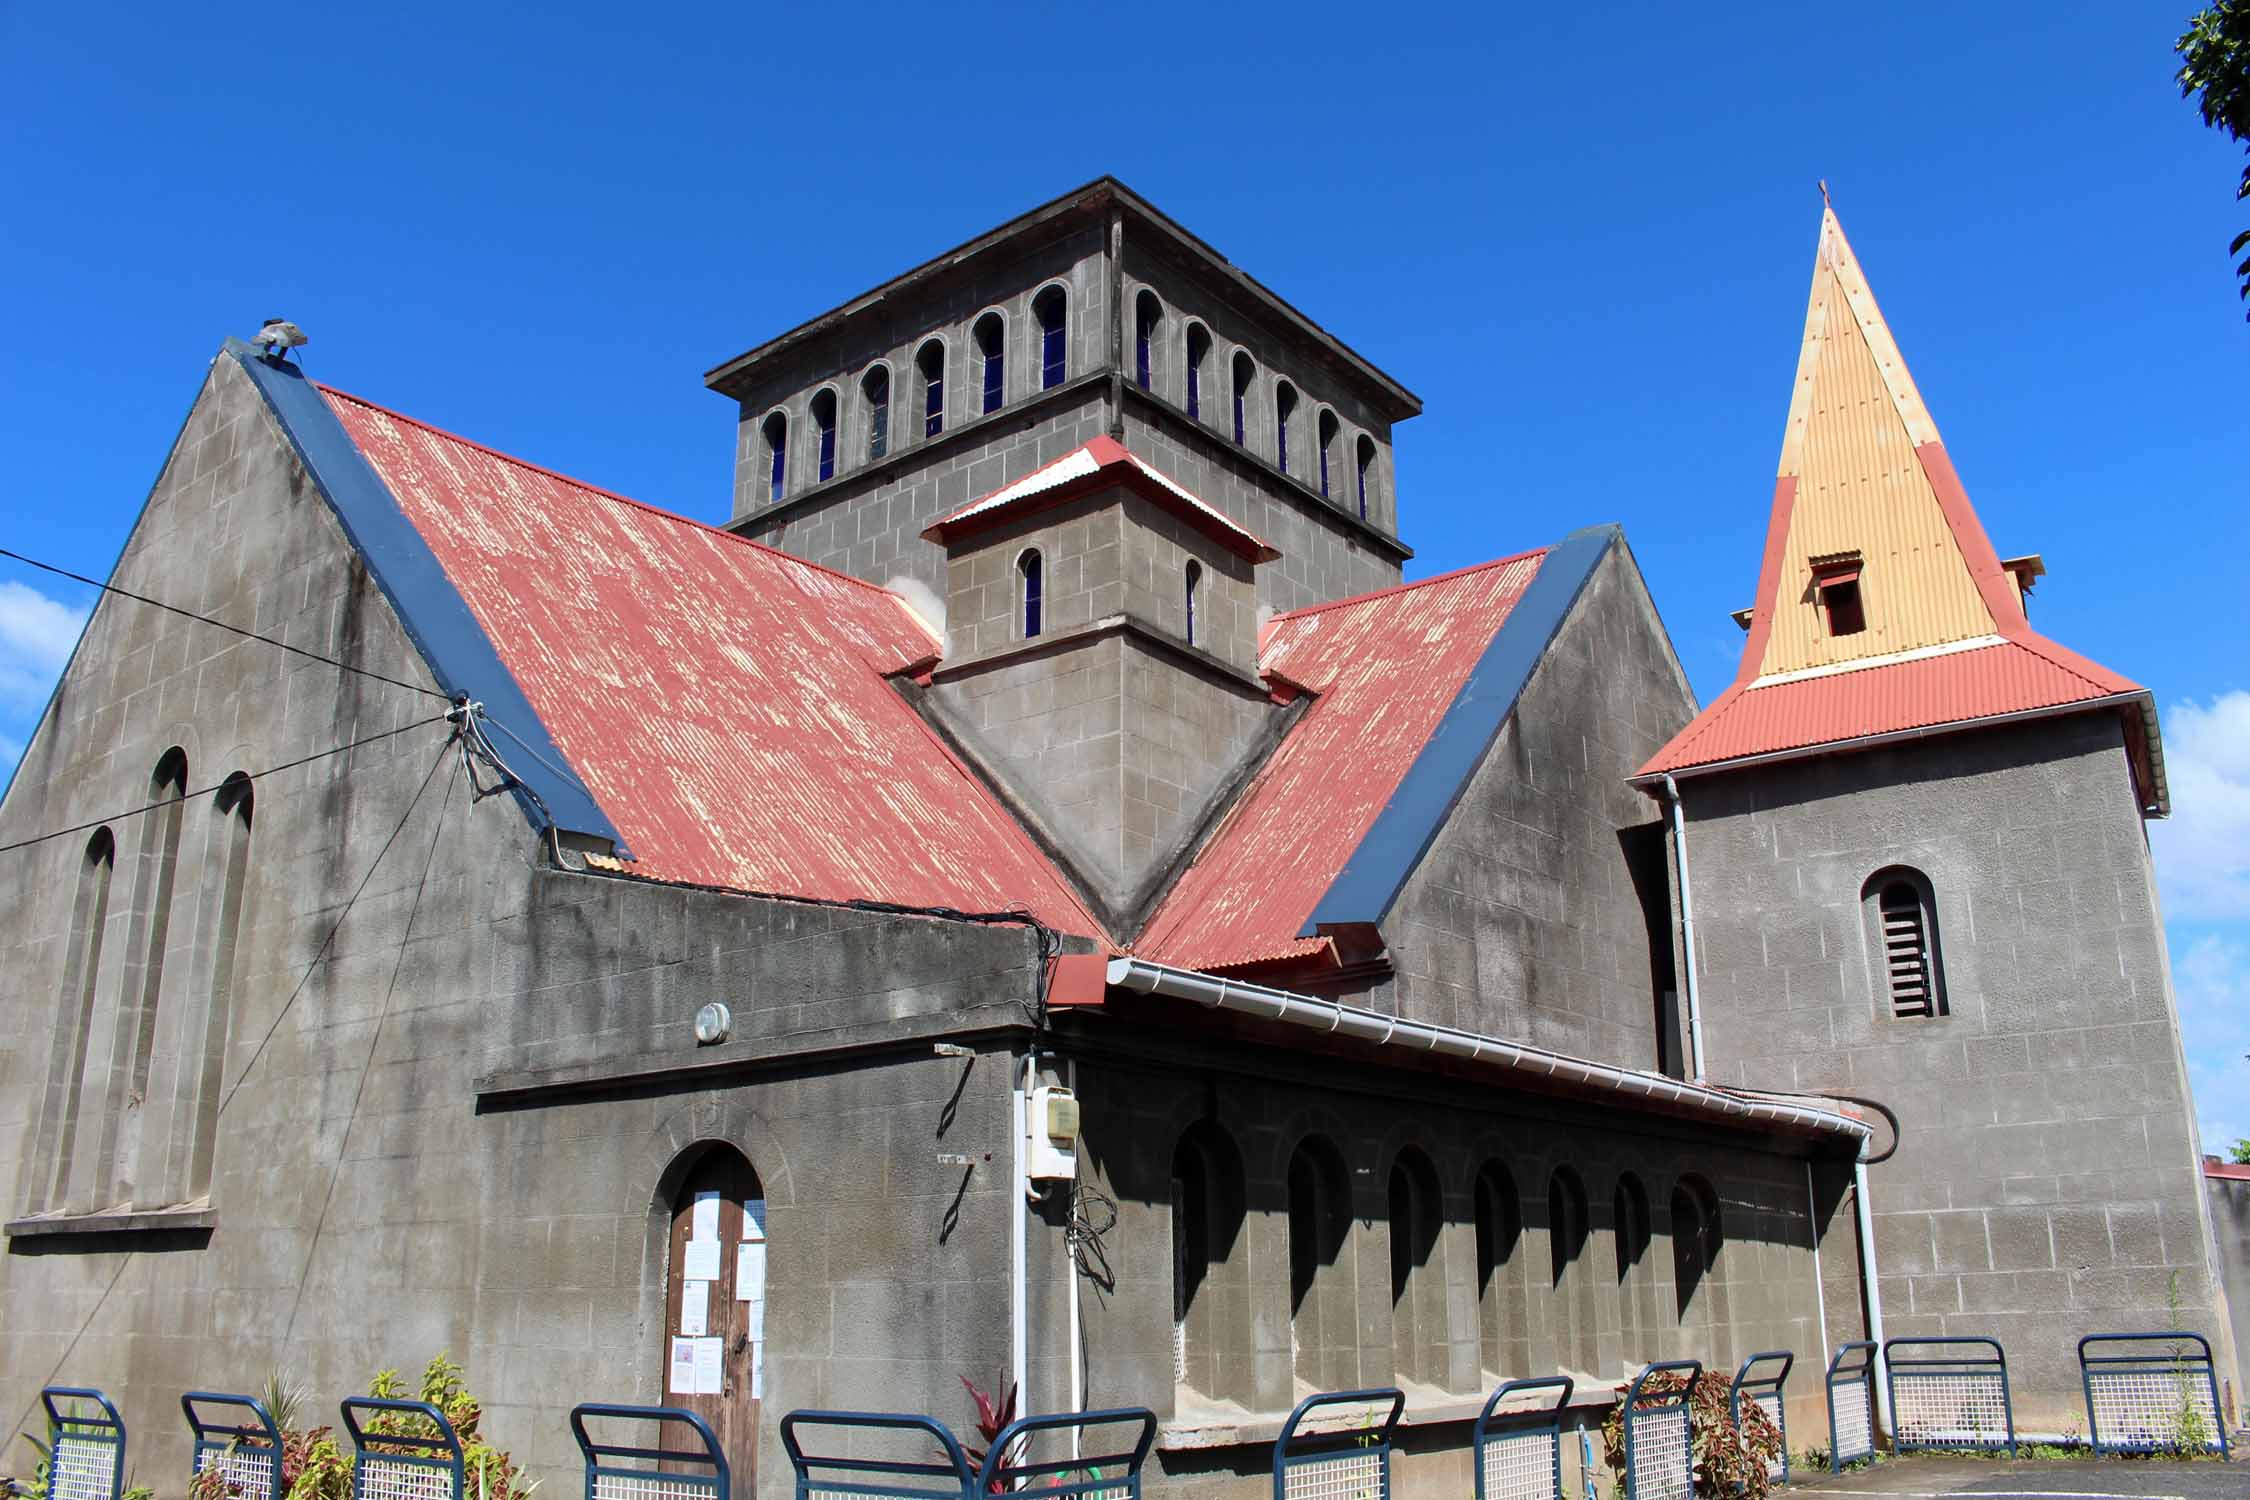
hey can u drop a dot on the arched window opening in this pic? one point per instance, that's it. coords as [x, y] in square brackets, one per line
[1245, 371]
[929, 361]
[1031, 589]
[1501, 1340]
[1148, 316]
[1210, 1282]
[66, 1060]
[875, 390]
[1050, 309]
[824, 428]
[1573, 1301]
[1194, 584]
[992, 362]
[133, 1044]
[1284, 408]
[1366, 471]
[776, 430]
[717, 1200]
[1198, 354]
[1419, 1333]
[1326, 434]
[1323, 1332]
[1630, 1227]
[235, 806]
[1903, 928]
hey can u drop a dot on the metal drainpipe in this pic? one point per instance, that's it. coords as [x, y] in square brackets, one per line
[1864, 1211]
[1687, 932]
[1070, 1271]
[1820, 1293]
[1019, 1210]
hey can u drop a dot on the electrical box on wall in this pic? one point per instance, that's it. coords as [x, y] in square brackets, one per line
[1051, 1152]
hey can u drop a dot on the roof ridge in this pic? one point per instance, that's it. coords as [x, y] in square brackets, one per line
[596, 489]
[1419, 583]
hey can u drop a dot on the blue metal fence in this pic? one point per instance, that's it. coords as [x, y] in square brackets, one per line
[1760, 1381]
[1107, 1451]
[833, 1455]
[85, 1447]
[406, 1450]
[2149, 1393]
[688, 1467]
[1659, 1437]
[1851, 1405]
[1518, 1447]
[236, 1436]
[1949, 1393]
[1340, 1462]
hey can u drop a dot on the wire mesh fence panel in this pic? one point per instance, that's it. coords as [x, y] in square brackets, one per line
[1851, 1405]
[85, 1444]
[1659, 1437]
[246, 1473]
[1949, 1393]
[1759, 1383]
[1518, 1440]
[2151, 1393]
[1337, 1446]
[402, 1450]
[237, 1439]
[864, 1455]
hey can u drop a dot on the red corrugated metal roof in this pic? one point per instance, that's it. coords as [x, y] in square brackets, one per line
[2229, 1170]
[723, 702]
[1386, 666]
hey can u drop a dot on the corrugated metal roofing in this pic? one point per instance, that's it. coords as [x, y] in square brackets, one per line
[1085, 463]
[1386, 667]
[724, 703]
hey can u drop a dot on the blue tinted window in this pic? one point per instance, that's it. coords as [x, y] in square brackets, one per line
[777, 454]
[877, 387]
[1050, 309]
[991, 342]
[1032, 589]
[931, 362]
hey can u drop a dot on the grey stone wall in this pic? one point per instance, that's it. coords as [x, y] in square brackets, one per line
[2046, 1184]
[1524, 919]
[2229, 1200]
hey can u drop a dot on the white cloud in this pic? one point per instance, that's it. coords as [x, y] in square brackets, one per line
[36, 634]
[2211, 979]
[2203, 849]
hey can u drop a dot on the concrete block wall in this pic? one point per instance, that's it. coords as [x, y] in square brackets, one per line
[2047, 1183]
[1523, 920]
[2229, 1199]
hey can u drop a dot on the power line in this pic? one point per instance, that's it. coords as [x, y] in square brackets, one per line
[287, 765]
[341, 666]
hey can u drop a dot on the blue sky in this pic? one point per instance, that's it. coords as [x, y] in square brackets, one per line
[1584, 239]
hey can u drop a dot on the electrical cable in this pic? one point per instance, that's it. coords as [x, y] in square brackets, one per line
[1083, 1236]
[108, 588]
[287, 765]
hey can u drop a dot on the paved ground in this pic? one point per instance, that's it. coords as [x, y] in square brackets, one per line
[1924, 1477]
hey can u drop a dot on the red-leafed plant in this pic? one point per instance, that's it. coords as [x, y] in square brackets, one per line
[1730, 1458]
[993, 1418]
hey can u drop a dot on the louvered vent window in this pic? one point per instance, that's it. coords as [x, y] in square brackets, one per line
[1909, 956]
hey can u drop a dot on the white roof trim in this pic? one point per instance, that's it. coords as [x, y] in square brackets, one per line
[1892, 659]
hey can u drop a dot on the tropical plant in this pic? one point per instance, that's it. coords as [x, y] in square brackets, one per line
[1730, 1460]
[487, 1473]
[37, 1489]
[993, 1417]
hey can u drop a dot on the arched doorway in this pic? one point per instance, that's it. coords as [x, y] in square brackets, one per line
[713, 1345]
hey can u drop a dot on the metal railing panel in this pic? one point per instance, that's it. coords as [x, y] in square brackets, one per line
[828, 1452]
[393, 1459]
[1949, 1393]
[1108, 1449]
[2144, 1390]
[235, 1436]
[1518, 1449]
[654, 1469]
[1343, 1462]
[1760, 1382]
[85, 1448]
[1659, 1434]
[1851, 1405]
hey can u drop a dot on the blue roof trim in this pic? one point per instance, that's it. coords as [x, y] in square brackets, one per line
[460, 655]
[1364, 890]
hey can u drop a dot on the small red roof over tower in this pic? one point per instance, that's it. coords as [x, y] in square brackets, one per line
[1104, 461]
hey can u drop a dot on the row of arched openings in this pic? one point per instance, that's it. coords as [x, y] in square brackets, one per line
[104, 1051]
[988, 345]
[1212, 1300]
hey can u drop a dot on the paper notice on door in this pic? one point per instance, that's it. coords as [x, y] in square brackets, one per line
[754, 1219]
[682, 1382]
[749, 1272]
[710, 1372]
[706, 1226]
[695, 1308]
[757, 1374]
[702, 1261]
[755, 1321]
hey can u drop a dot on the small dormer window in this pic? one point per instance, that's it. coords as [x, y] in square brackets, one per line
[1836, 584]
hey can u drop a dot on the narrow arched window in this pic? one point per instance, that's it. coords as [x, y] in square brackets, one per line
[235, 805]
[66, 1060]
[1327, 438]
[992, 361]
[1245, 371]
[1902, 921]
[1284, 408]
[875, 389]
[1366, 471]
[824, 431]
[1194, 584]
[776, 431]
[1198, 355]
[1501, 1307]
[1032, 588]
[1051, 310]
[133, 1045]
[929, 362]
[1148, 315]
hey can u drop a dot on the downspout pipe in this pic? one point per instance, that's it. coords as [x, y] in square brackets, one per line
[1687, 932]
[1864, 1211]
[1019, 1210]
[1338, 1019]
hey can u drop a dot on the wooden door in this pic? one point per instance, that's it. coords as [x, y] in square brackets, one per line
[730, 1304]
